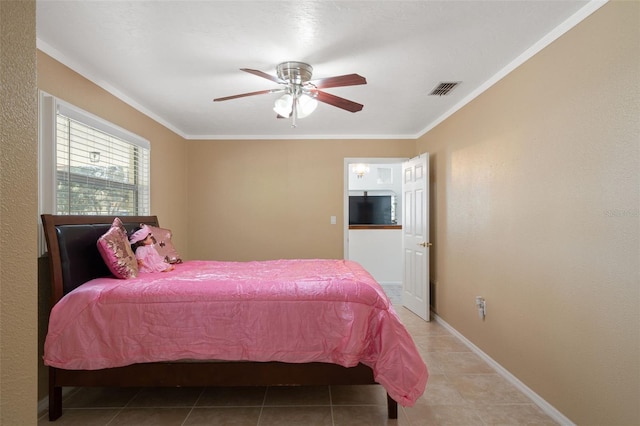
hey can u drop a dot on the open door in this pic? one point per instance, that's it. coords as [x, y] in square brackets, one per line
[415, 235]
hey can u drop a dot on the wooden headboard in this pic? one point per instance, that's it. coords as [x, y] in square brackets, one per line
[73, 254]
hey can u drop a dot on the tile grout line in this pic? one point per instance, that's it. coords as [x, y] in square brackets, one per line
[333, 420]
[264, 401]
[195, 404]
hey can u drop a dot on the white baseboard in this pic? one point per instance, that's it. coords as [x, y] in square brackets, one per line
[549, 409]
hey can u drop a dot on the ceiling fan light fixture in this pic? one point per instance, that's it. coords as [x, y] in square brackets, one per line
[306, 105]
[283, 105]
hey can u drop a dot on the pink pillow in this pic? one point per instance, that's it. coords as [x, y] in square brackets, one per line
[163, 244]
[116, 251]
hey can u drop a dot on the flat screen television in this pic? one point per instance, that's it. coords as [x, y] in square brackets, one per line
[370, 210]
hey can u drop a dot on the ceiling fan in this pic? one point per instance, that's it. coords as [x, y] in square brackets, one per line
[301, 94]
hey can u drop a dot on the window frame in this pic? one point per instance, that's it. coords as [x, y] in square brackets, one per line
[50, 106]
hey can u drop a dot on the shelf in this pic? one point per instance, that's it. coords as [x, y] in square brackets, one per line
[375, 226]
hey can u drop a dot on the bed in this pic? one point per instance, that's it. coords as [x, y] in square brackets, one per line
[285, 322]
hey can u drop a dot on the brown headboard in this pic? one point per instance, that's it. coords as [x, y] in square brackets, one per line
[73, 254]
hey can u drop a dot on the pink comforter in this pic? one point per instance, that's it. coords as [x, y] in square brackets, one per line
[284, 310]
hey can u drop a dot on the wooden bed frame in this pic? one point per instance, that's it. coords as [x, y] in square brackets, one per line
[74, 259]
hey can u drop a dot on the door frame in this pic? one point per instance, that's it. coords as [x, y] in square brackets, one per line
[345, 202]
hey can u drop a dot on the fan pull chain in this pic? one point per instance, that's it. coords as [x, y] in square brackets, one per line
[294, 113]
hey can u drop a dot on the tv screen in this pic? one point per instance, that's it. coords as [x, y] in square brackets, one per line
[370, 210]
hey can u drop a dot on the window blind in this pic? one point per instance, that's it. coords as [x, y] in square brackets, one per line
[89, 166]
[98, 172]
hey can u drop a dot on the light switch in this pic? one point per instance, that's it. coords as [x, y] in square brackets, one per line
[333, 220]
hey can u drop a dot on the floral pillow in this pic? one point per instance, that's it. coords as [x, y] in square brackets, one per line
[163, 244]
[116, 251]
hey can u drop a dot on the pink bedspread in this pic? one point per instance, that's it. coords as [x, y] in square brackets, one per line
[284, 310]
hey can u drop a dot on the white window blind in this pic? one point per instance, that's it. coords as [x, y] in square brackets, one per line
[98, 173]
[94, 167]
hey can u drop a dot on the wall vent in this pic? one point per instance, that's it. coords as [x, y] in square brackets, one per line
[444, 88]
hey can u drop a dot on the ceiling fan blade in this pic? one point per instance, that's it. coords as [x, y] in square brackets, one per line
[242, 95]
[339, 102]
[262, 74]
[339, 81]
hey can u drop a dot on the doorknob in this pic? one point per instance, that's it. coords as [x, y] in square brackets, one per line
[425, 244]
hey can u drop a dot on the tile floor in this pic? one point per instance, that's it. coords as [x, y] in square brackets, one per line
[462, 390]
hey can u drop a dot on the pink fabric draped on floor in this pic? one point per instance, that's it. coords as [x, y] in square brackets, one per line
[283, 310]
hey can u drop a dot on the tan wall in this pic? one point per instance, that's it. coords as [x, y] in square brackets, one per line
[537, 210]
[168, 150]
[18, 214]
[270, 199]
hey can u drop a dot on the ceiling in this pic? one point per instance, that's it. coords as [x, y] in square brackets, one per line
[170, 59]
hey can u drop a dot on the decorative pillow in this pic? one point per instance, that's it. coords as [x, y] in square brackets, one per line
[116, 251]
[163, 244]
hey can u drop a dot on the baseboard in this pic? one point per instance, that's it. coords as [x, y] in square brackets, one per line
[549, 409]
[43, 406]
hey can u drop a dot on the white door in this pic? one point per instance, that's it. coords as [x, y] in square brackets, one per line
[415, 235]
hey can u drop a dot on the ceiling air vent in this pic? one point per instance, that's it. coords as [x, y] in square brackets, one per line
[444, 88]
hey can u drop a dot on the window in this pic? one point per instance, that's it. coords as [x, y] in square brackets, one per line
[98, 173]
[89, 166]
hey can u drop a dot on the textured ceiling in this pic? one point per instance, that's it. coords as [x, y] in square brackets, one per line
[169, 59]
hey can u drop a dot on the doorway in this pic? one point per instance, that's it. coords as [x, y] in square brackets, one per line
[376, 246]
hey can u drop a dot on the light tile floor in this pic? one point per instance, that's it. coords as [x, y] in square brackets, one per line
[462, 390]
